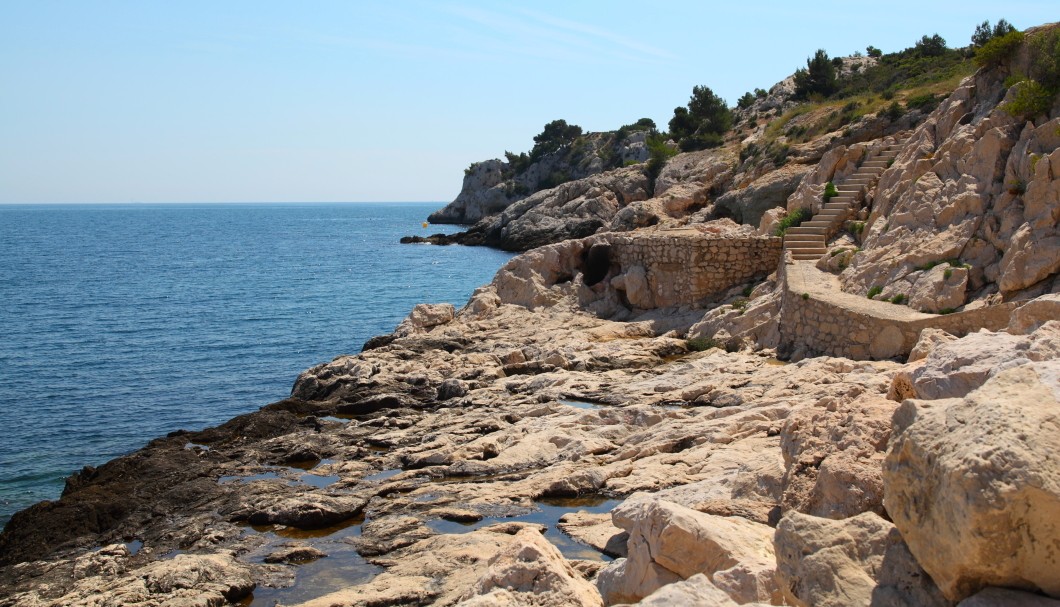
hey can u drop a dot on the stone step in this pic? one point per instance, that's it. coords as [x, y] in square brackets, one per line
[805, 256]
[831, 214]
[806, 230]
[823, 224]
[800, 236]
[803, 239]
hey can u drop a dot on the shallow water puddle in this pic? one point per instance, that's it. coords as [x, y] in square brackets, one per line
[385, 474]
[264, 476]
[580, 404]
[548, 513]
[342, 567]
[300, 470]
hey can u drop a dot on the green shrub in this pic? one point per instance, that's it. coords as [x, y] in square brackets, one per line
[748, 290]
[894, 111]
[873, 292]
[793, 219]
[1030, 100]
[948, 273]
[984, 33]
[555, 135]
[925, 102]
[805, 296]
[702, 123]
[931, 46]
[659, 153]
[898, 299]
[857, 227]
[830, 192]
[999, 49]
[872, 51]
[701, 344]
[947, 311]
[746, 101]
[818, 77]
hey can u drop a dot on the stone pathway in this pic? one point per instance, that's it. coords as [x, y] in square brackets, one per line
[809, 240]
[804, 277]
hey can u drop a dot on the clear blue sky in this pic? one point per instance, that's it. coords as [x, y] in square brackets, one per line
[376, 101]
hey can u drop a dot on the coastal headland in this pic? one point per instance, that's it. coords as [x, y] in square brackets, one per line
[814, 362]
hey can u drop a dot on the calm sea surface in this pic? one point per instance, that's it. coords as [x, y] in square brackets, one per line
[121, 323]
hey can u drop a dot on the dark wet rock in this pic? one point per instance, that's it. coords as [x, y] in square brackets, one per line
[308, 512]
[451, 388]
[295, 554]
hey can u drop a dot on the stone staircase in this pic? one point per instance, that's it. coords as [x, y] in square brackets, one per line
[809, 240]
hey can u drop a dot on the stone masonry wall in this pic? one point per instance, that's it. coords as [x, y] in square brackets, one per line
[817, 321]
[685, 267]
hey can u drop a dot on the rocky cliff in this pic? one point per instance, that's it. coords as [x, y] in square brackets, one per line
[656, 404]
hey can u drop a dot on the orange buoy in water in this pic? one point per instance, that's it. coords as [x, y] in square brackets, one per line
[425, 224]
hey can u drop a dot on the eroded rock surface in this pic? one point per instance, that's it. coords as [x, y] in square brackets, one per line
[973, 483]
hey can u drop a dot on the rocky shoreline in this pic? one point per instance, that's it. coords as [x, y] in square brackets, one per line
[655, 404]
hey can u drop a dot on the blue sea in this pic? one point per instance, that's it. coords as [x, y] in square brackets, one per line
[121, 323]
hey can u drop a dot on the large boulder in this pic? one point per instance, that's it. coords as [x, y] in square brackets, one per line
[747, 205]
[668, 543]
[955, 368]
[535, 571]
[973, 483]
[848, 563]
[832, 456]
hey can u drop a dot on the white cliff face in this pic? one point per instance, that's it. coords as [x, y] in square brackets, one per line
[973, 185]
[490, 186]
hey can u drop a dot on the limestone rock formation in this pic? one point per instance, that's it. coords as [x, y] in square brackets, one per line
[955, 368]
[974, 185]
[832, 457]
[537, 573]
[669, 543]
[572, 210]
[973, 483]
[747, 205]
[491, 186]
[859, 561]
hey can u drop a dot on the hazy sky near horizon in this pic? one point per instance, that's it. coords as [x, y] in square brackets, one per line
[199, 101]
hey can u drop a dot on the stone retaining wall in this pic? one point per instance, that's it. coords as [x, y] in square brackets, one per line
[817, 321]
[685, 267]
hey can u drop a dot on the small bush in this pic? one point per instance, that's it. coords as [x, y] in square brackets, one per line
[748, 290]
[898, 299]
[830, 192]
[873, 292]
[947, 311]
[805, 296]
[1030, 100]
[659, 153]
[1017, 187]
[894, 111]
[948, 273]
[702, 344]
[998, 49]
[792, 220]
[857, 227]
[925, 102]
